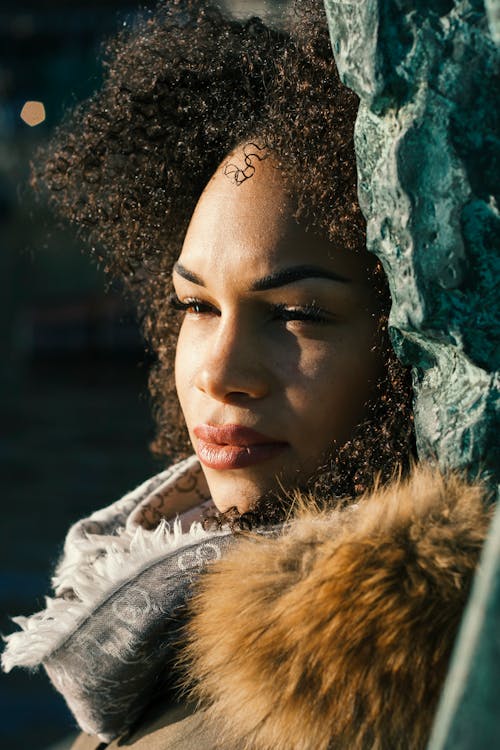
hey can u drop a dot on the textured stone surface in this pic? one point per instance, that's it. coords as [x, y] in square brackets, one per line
[427, 139]
[493, 13]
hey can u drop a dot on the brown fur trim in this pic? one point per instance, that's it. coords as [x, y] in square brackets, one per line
[338, 633]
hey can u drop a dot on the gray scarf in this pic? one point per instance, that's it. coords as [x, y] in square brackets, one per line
[107, 636]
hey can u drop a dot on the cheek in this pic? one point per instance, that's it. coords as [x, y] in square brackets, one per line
[326, 387]
[185, 364]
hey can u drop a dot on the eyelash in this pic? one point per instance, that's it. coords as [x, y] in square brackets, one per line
[307, 313]
[186, 306]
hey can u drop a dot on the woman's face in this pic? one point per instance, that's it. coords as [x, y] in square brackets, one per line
[276, 354]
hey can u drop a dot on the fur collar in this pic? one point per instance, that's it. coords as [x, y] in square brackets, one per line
[338, 634]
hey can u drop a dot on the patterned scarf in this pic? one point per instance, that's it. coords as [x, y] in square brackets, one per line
[108, 634]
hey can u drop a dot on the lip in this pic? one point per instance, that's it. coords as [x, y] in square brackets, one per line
[233, 446]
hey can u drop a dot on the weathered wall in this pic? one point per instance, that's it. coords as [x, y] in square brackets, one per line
[427, 141]
[428, 155]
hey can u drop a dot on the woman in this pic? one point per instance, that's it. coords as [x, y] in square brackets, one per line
[215, 171]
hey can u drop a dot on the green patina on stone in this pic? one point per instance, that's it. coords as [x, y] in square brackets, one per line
[427, 141]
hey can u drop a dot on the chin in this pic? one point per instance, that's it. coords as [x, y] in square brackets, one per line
[258, 506]
[238, 499]
[250, 490]
[241, 487]
[241, 492]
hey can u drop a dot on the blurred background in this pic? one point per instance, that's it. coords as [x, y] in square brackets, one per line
[74, 411]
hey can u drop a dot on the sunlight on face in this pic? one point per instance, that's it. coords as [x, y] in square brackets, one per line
[275, 358]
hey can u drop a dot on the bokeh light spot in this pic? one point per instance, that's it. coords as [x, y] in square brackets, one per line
[33, 113]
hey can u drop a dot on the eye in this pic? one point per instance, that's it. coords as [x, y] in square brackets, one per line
[192, 306]
[311, 313]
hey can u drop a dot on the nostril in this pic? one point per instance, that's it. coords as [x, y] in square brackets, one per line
[230, 366]
[223, 386]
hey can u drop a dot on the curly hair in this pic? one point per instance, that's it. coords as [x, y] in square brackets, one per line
[182, 90]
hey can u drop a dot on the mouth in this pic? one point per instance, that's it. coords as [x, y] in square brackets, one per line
[232, 446]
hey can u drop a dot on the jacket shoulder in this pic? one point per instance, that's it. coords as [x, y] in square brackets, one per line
[179, 727]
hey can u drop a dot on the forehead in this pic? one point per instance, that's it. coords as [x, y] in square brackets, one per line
[248, 230]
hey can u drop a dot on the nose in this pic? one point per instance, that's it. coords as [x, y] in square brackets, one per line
[232, 366]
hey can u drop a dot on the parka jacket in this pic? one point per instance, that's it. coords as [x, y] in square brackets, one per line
[335, 634]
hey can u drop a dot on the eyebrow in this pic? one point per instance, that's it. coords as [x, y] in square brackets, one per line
[188, 275]
[297, 273]
[274, 280]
